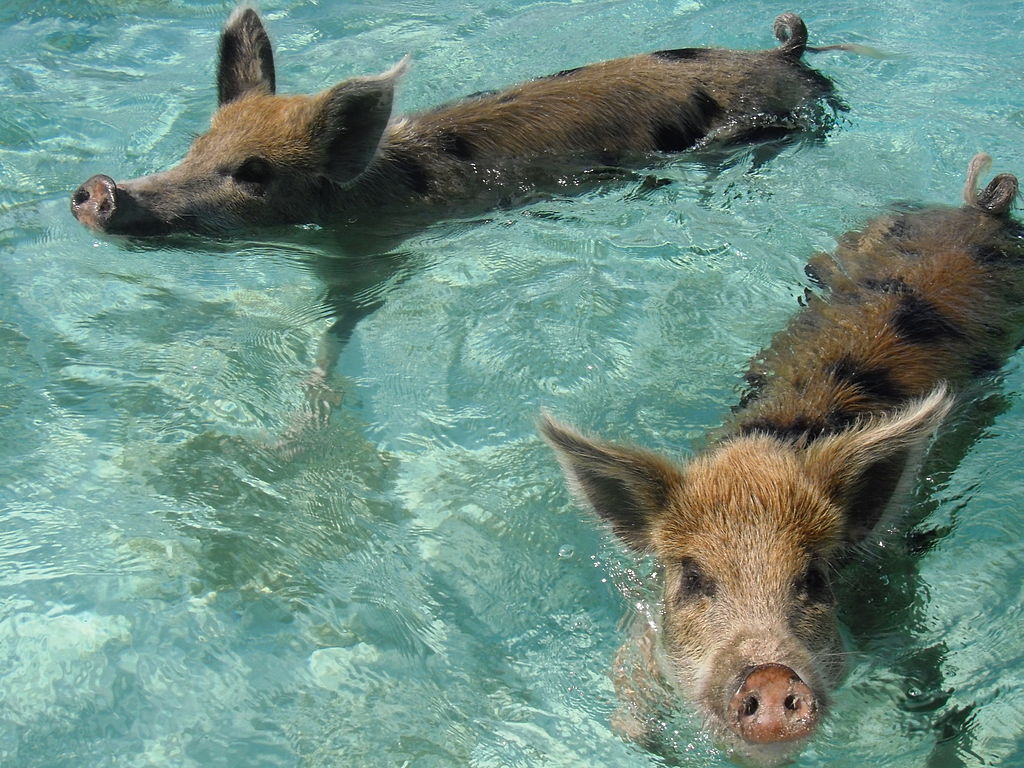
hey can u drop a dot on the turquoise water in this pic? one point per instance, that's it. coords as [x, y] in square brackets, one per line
[410, 586]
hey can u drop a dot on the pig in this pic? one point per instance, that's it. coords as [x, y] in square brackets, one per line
[339, 158]
[816, 456]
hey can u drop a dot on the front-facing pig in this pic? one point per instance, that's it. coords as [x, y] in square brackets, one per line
[841, 405]
[338, 158]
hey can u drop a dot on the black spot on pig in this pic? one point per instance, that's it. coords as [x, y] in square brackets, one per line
[872, 382]
[824, 87]
[814, 275]
[836, 420]
[762, 134]
[707, 107]
[672, 137]
[412, 172]
[755, 382]
[899, 229]
[988, 254]
[984, 364]
[918, 321]
[681, 54]
[801, 429]
[886, 285]
[456, 145]
[795, 430]
[566, 72]
[682, 133]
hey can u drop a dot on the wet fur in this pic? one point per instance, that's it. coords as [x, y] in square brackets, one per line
[338, 157]
[630, 108]
[840, 408]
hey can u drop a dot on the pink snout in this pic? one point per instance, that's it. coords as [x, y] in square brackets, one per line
[95, 202]
[771, 705]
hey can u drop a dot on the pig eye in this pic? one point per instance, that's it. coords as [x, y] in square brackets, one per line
[694, 582]
[814, 584]
[254, 170]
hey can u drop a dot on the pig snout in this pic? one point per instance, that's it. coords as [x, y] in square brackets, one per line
[95, 202]
[771, 705]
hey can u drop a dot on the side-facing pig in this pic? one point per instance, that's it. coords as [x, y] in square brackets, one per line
[842, 403]
[339, 158]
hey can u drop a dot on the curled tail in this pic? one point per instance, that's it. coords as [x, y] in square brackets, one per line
[997, 198]
[791, 33]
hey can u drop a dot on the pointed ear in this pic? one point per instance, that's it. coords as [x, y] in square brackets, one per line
[871, 466]
[352, 120]
[246, 58]
[626, 487]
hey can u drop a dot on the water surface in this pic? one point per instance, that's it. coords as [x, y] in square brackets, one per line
[410, 585]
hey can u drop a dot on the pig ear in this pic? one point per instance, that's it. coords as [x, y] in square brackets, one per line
[352, 120]
[627, 488]
[870, 467]
[246, 58]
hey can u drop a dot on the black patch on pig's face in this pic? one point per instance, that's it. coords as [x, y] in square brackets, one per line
[682, 133]
[918, 321]
[694, 582]
[872, 382]
[456, 145]
[813, 585]
[681, 54]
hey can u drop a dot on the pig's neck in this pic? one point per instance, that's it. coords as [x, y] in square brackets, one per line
[420, 172]
[408, 171]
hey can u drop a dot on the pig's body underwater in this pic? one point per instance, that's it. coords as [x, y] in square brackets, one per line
[840, 408]
[338, 157]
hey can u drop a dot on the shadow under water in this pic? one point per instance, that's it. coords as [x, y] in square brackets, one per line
[883, 600]
[361, 265]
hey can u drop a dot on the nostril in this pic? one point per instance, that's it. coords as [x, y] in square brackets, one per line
[95, 202]
[772, 705]
[749, 706]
